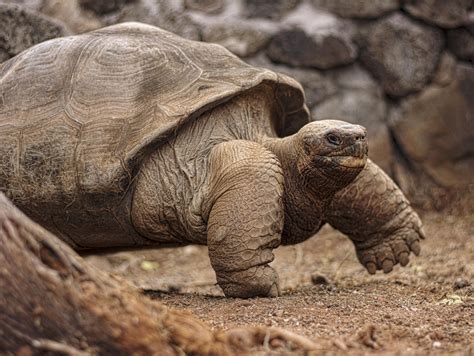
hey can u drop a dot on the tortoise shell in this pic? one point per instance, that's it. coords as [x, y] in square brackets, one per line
[78, 114]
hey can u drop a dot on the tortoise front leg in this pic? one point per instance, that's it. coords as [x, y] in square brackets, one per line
[378, 218]
[245, 218]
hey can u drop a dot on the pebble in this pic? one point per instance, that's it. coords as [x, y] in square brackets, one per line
[278, 313]
[319, 279]
[461, 283]
[436, 344]
[245, 303]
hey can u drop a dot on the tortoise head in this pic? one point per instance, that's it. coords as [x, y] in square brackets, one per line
[330, 153]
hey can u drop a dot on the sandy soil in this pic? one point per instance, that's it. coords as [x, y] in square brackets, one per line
[426, 307]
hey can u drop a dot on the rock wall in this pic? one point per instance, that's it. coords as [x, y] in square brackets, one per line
[402, 68]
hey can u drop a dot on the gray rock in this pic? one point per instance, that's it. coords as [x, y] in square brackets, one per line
[358, 8]
[34, 5]
[360, 100]
[313, 39]
[444, 13]
[435, 130]
[401, 53]
[355, 77]
[102, 7]
[297, 48]
[243, 38]
[207, 6]
[271, 9]
[461, 43]
[21, 28]
[167, 14]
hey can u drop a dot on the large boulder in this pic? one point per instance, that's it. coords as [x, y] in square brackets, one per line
[358, 8]
[271, 9]
[461, 43]
[312, 38]
[443, 13]
[21, 28]
[401, 53]
[435, 131]
[360, 100]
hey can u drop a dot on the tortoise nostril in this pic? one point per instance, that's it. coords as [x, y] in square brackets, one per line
[360, 137]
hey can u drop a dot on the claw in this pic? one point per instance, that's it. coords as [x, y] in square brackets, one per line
[371, 267]
[274, 291]
[422, 233]
[403, 258]
[387, 266]
[415, 247]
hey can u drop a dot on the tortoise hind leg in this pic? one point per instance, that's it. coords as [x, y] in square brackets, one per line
[245, 218]
[378, 218]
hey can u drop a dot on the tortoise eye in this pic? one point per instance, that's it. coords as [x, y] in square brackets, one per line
[334, 139]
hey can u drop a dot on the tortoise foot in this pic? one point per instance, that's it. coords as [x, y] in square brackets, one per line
[390, 250]
[259, 281]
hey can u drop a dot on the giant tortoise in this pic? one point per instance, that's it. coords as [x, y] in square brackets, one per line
[130, 136]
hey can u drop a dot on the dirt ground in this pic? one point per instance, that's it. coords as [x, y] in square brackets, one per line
[426, 307]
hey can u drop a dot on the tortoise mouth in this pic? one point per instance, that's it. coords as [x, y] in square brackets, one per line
[353, 156]
[350, 161]
[341, 161]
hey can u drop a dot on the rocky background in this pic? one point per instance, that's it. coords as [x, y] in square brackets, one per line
[402, 68]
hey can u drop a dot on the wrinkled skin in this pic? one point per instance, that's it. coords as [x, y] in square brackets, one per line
[243, 192]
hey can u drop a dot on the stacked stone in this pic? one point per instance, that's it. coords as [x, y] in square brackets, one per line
[402, 68]
[21, 29]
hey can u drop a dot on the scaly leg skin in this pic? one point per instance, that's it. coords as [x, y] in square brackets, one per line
[378, 218]
[245, 218]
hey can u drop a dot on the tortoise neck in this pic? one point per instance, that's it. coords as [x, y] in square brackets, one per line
[303, 205]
